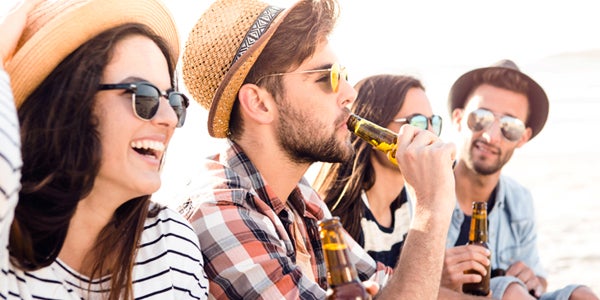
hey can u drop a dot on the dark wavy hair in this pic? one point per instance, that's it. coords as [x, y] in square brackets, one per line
[61, 151]
[309, 23]
[379, 99]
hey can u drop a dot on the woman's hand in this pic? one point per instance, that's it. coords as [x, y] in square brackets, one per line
[12, 25]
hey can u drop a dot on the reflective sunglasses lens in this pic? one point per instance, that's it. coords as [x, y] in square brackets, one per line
[146, 100]
[419, 121]
[179, 103]
[480, 119]
[436, 123]
[334, 77]
[512, 128]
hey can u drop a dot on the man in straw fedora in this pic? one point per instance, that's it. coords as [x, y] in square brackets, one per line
[274, 89]
[93, 82]
[496, 110]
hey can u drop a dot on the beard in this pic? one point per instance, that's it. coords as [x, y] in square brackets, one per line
[484, 166]
[305, 141]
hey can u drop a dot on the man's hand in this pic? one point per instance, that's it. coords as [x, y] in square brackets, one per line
[460, 259]
[528, 277]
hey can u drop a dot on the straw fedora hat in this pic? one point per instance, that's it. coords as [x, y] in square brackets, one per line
[220, 51]
[55, 28]
[538, 101]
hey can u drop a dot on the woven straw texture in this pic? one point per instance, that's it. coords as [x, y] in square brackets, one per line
[56, 28]
[209, 71]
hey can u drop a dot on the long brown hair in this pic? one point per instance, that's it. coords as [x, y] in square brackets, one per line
[380, 97]
[307, 24]
[61, 159]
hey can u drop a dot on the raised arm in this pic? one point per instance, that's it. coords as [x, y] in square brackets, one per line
[426, 163]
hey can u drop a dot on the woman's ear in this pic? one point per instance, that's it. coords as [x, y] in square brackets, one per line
[256, 103]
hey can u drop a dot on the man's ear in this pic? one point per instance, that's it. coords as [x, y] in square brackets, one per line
[525, 137]
[256, 103]
[457, 116]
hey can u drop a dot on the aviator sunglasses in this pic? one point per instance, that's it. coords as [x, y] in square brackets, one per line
[336, 72]
[481, 119]
[422, 122]
[145, 98]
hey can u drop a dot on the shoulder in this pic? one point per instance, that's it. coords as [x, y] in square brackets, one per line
[516, 197]
[171, 228]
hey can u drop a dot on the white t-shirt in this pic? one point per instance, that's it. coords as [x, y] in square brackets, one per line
[168, 264]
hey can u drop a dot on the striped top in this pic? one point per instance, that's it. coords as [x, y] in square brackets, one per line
[168, 265]
[383, 243]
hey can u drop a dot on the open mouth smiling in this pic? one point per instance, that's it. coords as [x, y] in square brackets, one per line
[149, 148]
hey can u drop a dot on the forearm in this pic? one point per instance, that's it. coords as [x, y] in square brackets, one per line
[418, 273]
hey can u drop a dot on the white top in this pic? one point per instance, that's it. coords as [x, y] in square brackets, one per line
[169, 263]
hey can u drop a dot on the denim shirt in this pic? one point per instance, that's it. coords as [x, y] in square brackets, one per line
[512, 234]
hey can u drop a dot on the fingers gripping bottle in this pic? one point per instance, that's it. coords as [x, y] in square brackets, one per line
[478, 235]
[341, 274]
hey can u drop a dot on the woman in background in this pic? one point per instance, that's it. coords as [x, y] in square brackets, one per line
[367, 192]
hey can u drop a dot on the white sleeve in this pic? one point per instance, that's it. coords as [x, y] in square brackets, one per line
[10, 170]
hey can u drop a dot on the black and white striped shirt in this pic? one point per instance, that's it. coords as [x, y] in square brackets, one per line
[169, 263]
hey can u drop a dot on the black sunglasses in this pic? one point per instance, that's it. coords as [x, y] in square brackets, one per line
[481, 119]
[421, 121]
[145, 98]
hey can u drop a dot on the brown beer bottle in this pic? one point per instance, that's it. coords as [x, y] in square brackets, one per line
[342, 277]
[478, 235]
[379, 137]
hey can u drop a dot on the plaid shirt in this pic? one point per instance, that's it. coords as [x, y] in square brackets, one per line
[246, 235]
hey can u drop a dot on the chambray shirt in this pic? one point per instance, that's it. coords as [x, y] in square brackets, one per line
[246, 235]
[512, 234]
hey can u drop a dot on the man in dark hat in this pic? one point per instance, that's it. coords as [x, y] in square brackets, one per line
[497, 110]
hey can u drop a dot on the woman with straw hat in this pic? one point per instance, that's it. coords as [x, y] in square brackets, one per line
[93, 83]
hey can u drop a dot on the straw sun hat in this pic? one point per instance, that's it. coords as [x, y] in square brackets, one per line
[55, 28]
[220, 50]
[538, 101]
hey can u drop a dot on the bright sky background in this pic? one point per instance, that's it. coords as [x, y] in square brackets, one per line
[435, 41]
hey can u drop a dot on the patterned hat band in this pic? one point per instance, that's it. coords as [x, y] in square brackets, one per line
[260, 26]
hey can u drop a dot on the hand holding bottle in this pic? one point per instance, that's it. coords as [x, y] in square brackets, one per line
[460, 259]
[426, 164]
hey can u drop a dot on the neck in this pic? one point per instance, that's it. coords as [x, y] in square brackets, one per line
[278, 170]
[90, 217]
[389, 182]
[471, 186]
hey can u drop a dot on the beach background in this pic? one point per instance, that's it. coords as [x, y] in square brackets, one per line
[555, 42]
[437, 41]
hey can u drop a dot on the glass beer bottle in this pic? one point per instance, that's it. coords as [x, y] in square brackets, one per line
[478, 235]
[342, 277]
[379, 137]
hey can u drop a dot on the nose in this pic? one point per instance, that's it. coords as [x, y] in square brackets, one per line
[165, 116]
[493, 133]
[347, 93]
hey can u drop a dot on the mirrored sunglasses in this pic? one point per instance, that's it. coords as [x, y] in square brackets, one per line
[336, 73]
[145, 99]
[421, 121]
[481, 119]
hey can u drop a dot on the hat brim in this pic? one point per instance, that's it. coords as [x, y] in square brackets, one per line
[226, 94]
[538, 100]
[73, 26]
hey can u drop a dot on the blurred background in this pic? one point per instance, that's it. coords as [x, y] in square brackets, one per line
[554, 42]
